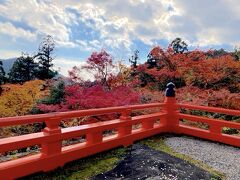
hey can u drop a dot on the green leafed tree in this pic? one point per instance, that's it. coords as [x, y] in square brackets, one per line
[134, 59]
[23, 69]
[179, 46]
[236, 53]
[45, 58]
[2, 74]
[56, 94]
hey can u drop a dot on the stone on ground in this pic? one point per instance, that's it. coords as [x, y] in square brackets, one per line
[146, 163]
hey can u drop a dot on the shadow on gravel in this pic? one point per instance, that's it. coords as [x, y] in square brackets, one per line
[146, 163]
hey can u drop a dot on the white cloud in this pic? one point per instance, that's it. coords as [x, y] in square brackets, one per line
[118, 23]
[6, 54]
[63, 65]
[43, 16]
[9, 29]
[85, 45]
[207, 22]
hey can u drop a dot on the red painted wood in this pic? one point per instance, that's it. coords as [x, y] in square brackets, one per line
[210, 121]
[210, 109]
[53, 155]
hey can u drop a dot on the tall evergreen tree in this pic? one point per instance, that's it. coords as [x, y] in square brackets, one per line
[23, 69]
[236, 53]
[45, 57]
[179, 46]
[134, 59]
[2, 74]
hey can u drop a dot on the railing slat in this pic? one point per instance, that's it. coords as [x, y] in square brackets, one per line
[17, 142]
[222, 123]
[18, 120]
[52, 153]
[211, 109]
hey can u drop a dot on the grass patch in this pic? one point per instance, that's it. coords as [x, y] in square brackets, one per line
[84, 168]
[158, 143]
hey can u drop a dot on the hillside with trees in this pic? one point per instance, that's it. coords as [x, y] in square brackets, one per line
[30, 67]
[209, 78]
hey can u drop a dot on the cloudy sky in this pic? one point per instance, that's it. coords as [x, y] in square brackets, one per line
[119, 26]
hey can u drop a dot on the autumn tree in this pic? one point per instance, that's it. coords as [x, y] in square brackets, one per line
[101, 65]
[123, 76]
[81, 97]
[158, 58]
[179, 46]
[23, 69]
[18, 100]
[74, 75]
[45, 57]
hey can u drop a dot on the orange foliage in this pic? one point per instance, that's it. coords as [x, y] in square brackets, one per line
[221, 98]
[208, 72]
[18, 100]
[196, 68]
[122, 78]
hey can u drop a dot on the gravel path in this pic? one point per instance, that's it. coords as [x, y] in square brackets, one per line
[223, 158]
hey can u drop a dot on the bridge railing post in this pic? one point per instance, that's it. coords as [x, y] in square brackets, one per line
[171, 121]
[94, 137]
[125, 130]
[216, 130]
[53, 147]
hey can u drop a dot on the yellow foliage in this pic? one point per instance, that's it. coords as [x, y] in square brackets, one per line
[17, 100]
[124, 71]
[122, 78]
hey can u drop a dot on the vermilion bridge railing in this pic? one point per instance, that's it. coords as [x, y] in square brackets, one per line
[52, 154]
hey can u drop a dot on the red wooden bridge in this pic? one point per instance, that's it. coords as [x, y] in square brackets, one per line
[52, 154]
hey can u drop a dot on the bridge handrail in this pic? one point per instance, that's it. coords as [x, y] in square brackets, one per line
[210, 109]
[28, 119]
[214, 131]
[6, 144]
[219, 122]
[53, 154]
